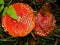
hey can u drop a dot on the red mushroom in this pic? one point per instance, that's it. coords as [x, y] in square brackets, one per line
[25, 23]
[45, 22]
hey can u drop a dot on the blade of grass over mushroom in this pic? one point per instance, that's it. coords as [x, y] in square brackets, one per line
[1, 8]
[1, 1]
[11, 12]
